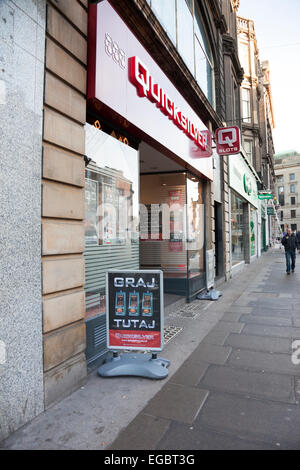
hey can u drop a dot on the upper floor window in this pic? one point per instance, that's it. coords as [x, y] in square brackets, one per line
[292, 176]
[181, 20]
[293, 201]
[166, 13]
[203, 57]
[246, 108]
[279, 178]
[185, 39]
[248, 149]
[244, 57]
[292, 188]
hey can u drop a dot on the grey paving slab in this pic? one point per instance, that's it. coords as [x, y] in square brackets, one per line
[232, 316]
[259, 343]
[260, 320]
[265, 330]
[227, 326]
[177, 402]
[276, 304]
[239, 309]
[216, 337]
[190, 373]
[258, 420]
[249, 383]
[183, 437]
[280, 363]
[268, 312]
[143, 433]
[211, 353]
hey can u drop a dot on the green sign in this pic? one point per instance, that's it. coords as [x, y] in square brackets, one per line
[270, 210]
[265, 196]
[247, 185]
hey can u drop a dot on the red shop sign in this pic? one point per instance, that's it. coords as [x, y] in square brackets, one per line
[127, 86]
[228, 140]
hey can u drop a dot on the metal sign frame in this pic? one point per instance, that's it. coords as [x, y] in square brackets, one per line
[161, 310]
[210, 273]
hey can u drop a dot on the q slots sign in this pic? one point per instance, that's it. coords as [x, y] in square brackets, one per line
[228, 140]
[134, 310]
[146, 86]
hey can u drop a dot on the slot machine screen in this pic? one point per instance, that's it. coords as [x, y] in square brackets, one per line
[147, 302]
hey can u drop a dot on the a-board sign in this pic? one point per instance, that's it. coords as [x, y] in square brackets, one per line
[134, 310]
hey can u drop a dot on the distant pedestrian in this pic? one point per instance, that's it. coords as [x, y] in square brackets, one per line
[298, 239]
[290, 244]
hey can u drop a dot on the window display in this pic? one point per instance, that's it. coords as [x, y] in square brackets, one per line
[237, 227]
[112, 214]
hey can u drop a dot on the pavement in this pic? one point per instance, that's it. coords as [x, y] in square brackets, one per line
[233, 381]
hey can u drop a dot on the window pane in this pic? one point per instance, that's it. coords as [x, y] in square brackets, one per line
[201, 68]
[248, 149]
[246, 104]
[244, 57]
[112, 213]
[165, 11]
[292, 188]
[185, 33]
[201, 35]
[292, 176]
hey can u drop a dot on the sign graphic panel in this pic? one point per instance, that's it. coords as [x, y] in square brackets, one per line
[135, 310]
[228, 140]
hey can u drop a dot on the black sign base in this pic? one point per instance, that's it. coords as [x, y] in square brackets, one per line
[142, 365]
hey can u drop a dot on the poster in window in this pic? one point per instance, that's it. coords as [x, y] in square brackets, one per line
[176, 222]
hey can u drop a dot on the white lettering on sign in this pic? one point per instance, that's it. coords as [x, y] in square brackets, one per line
[113, 50]
[146, 87]
[130, 282]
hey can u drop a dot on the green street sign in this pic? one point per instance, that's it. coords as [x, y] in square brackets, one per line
[270, 210]
[265, 196]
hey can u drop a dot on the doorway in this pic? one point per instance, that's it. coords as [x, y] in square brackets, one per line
[172, 217]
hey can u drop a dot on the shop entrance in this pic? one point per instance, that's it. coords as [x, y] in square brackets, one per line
[172, 223]
[143, 211]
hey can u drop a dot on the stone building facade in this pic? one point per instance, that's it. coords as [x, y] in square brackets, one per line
[287, 171]
[44, 97]
[257, 120]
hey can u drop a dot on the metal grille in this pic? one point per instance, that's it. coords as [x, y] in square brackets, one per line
[170, 332]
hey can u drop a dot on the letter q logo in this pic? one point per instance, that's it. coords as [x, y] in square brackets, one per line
[296, 352]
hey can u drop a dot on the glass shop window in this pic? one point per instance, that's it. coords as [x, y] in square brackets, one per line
[112, 213]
